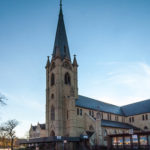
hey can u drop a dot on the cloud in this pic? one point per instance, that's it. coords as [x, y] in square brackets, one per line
[121, 83]
[134, 79]
[145, 67]
[28, 101]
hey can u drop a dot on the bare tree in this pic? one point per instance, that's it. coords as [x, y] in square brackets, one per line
[8, 130]
[2, 99]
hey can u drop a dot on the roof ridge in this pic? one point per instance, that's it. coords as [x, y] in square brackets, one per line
[135, 103]
[101, 101]
[121, 123]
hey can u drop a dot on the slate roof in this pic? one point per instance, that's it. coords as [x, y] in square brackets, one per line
[42, 126]
[61, 43]
[127, 110]
[90, 103]
[136, 108]
[114, 124]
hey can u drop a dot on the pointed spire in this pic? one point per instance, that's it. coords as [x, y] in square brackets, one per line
[48, 62]
[60, 4]
[61, 42]
[75, 61]
[60, 11]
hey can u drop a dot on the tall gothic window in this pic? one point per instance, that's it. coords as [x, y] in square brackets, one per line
[52, 96]
[130, 119]
[67, 78]
[52, 79]
[143, 117]
[77, 111]
[67, 115]
[80, 112]
[52, 113]
[92, 113]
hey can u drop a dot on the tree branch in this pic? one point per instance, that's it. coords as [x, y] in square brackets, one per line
[2, 99]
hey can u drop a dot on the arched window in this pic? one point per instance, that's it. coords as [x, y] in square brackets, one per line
[52, 79]
[67, 115]
[132, 119]
[52, 113]
[67, 78]
[52, 133]
[143, 117]
[92, 113]
[80, 112]
[145, 128]
[77, 111]
[52, 96]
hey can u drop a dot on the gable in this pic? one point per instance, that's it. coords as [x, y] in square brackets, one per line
[136, 108]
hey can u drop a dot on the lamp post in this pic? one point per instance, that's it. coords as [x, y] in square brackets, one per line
[64, 142]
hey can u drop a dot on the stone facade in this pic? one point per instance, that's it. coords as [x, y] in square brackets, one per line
[37, 131]
[63, 116]
[61, 97]
[141, 121]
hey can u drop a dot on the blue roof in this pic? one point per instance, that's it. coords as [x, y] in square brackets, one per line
[127, 110]
[136, 108]
[114, 124]
[90, 103]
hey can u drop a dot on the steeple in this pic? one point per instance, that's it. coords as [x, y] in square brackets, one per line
[61, 42]
[75, 61]
[48, 62]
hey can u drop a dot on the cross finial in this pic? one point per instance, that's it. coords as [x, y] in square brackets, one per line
[60, 3]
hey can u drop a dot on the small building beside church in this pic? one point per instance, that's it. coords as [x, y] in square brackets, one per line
[37, 131]
[70, 115]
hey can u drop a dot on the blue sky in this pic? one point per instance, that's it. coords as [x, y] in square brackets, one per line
[111, 39]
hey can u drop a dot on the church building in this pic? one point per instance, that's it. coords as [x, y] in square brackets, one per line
[70, 115]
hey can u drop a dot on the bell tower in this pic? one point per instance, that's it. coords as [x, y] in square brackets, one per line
[61, 86]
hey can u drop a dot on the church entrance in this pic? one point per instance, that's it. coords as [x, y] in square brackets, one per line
[52, 133]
